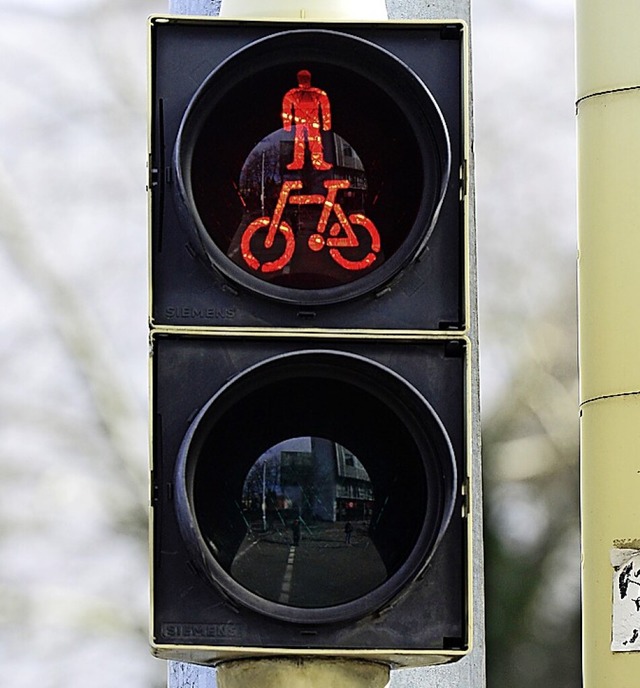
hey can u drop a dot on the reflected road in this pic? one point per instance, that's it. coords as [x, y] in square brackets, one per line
[321, 571]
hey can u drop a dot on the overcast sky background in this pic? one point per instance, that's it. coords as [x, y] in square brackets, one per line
[73, 351]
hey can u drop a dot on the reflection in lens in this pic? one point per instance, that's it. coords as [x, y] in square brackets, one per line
[307, 505]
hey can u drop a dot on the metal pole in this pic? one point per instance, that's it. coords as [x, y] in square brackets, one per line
[469, 672]
[295, 9]
[608, 117]
[305, 673]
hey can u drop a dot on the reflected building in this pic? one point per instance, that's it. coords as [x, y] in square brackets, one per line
[317, 479]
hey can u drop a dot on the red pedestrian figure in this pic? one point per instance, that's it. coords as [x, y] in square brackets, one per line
[307, 108]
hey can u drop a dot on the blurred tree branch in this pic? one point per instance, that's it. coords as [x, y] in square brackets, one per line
[122, 422]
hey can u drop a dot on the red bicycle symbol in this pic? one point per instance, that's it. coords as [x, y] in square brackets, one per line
[341, 234]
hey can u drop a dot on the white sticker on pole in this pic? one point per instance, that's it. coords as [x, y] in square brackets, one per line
[625, 636]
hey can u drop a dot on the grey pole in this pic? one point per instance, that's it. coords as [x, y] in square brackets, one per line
[181, 674]
[469, 672]
[195, 7]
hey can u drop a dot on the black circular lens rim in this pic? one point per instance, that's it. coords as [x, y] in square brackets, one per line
[421, 420]
[352, 53]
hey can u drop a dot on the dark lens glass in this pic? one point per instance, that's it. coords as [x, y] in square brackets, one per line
[308, 504]
[318, 483]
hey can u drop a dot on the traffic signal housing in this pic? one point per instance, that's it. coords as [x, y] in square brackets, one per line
[310, 338]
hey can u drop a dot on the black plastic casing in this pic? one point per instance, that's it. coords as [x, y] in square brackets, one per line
[425, 292]
[430, 614]
[210, 325]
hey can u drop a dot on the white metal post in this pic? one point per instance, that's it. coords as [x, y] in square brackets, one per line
[608, 113]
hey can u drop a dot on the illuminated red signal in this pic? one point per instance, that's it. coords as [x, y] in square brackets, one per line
[307, 108]
[364, 137]
[341, 233]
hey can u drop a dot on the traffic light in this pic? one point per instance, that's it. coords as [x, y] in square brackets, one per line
[310, 340]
